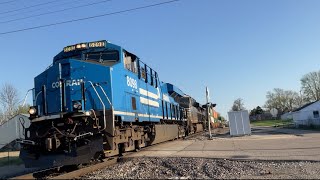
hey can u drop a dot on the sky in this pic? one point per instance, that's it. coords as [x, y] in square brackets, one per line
[238, 48]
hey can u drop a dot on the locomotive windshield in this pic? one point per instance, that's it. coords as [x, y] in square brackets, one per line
[102, 56]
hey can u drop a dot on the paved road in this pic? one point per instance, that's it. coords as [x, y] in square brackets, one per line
[264, 144]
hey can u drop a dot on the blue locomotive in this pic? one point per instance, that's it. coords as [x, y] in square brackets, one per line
[98, 100]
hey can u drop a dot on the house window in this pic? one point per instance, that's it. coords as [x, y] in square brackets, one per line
[316, 114]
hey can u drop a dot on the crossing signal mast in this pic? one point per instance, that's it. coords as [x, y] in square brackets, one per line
[208, 111]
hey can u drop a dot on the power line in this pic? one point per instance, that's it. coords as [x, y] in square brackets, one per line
[33, 10]
[91, 17]
[7, 2]
[52, 12]
[28, 7]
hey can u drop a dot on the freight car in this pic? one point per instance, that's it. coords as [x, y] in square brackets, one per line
[98, 100]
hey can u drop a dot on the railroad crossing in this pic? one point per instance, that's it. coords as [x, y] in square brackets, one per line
[264, 144]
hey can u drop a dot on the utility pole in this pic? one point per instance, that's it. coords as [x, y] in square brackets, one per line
[208, 112]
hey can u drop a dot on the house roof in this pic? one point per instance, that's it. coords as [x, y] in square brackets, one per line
[304, 106]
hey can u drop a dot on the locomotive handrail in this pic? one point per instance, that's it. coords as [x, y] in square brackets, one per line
[108, 101]
[106, 96]
[35, 100]
[104, 107]
[26, 96]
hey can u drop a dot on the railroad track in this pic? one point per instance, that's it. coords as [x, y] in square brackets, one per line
[54, 173]
[194, 135]
[83, 171]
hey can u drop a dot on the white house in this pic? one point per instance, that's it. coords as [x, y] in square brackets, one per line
[308, 114]
[13, 129]
[287, 115]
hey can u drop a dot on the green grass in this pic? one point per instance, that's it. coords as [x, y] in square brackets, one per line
[11, 161]
[272, 123]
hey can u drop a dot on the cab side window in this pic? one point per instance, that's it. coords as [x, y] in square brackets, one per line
[130, 62]
[143, 73]
[147, 74]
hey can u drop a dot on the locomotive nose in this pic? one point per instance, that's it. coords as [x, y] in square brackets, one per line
[67, 81]
[63, 80]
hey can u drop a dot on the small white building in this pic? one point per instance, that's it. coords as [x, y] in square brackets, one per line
[307, 115]
[239, 123]
[13, 129]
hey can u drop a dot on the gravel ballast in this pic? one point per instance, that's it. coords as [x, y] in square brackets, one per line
[202, 168]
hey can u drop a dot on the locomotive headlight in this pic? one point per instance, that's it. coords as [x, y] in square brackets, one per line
[88, 113]
[81, 46]
[32, 111]
[77, 105]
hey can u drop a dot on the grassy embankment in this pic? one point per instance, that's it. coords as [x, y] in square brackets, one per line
[272, 123]
[5, 161]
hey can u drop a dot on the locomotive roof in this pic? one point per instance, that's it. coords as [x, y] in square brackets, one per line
[174, 89]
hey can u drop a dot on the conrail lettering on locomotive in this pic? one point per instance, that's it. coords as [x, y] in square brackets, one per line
[71, 82]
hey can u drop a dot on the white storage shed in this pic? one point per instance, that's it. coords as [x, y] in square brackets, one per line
[13, 129]
[239, 123]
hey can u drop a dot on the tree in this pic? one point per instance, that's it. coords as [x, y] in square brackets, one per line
[22, 109]
[238, 105]
[301, 100]
[259, 110]
[9, 99]
[253, 112]
[2, 117]
[256, 113]
[282, 100]
[311, 86]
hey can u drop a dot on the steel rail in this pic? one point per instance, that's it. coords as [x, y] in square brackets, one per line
[86, 170]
